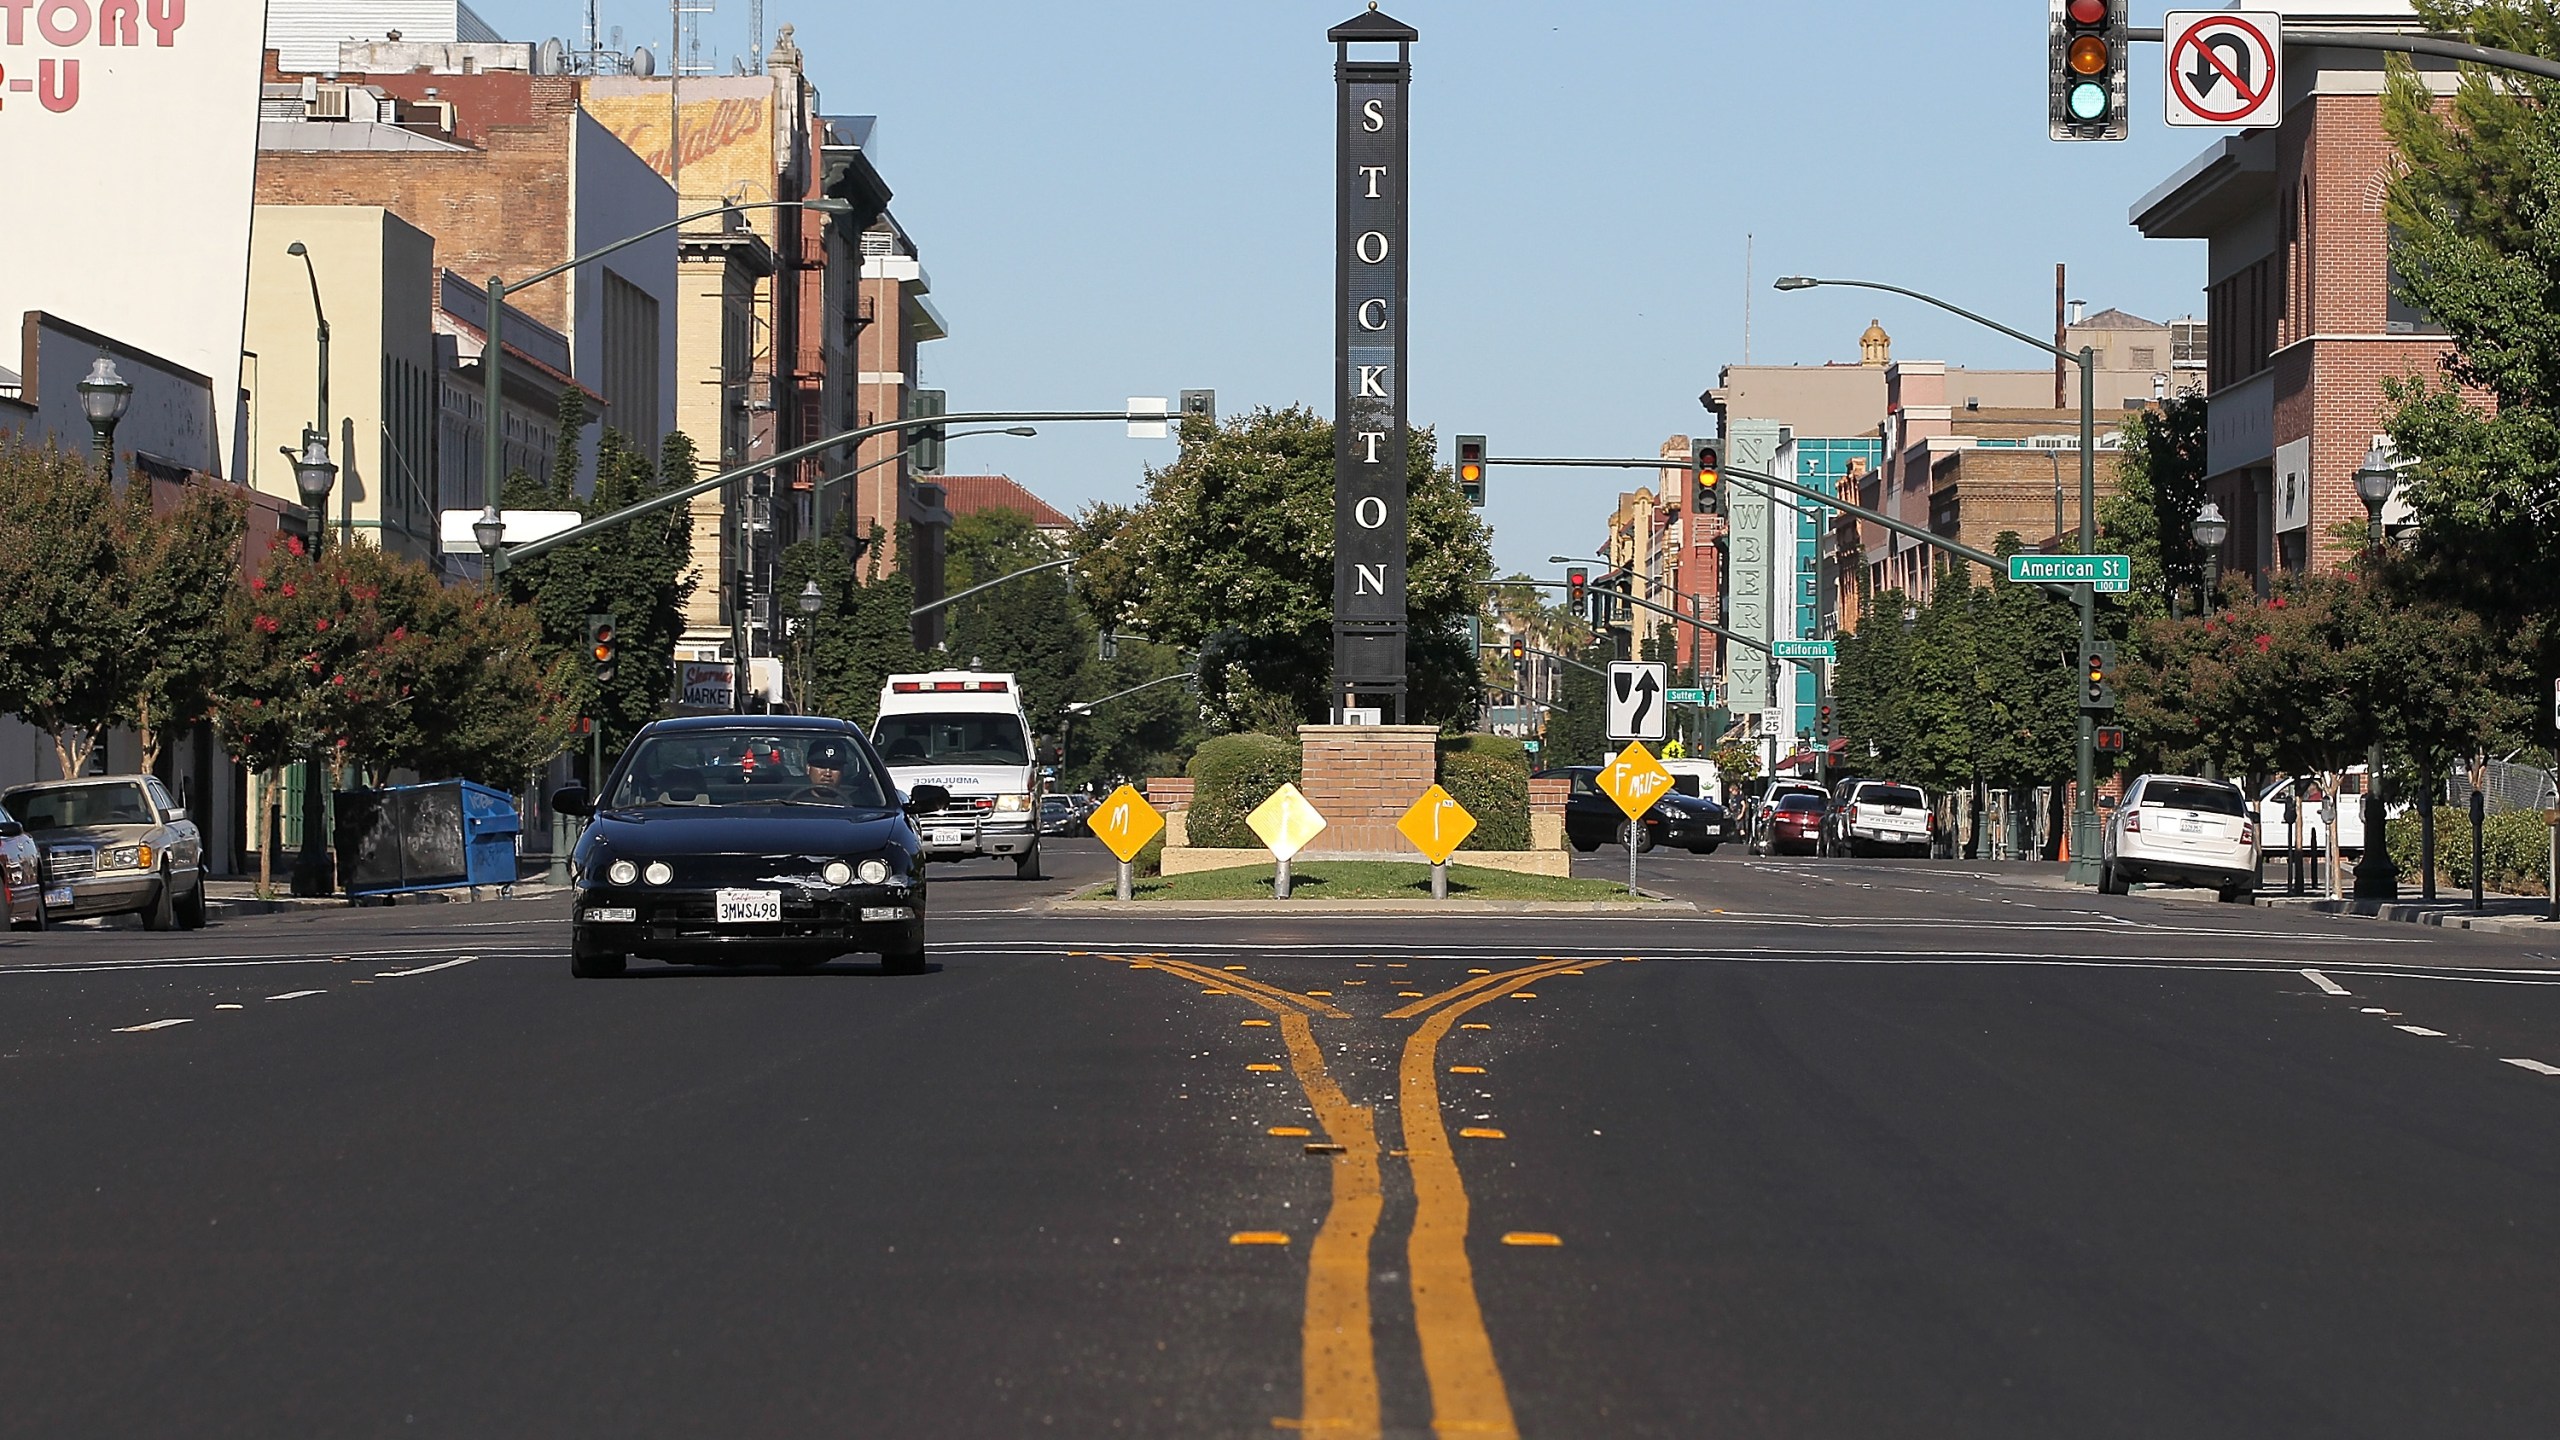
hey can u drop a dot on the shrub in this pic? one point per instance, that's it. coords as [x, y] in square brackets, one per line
[2515, 854]
[1230, 775]
[1489, 774]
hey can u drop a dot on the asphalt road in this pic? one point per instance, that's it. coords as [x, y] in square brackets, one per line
[1854, 1149]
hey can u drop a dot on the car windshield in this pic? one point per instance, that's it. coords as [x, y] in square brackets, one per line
[743, 766]
[2190, 795]
[969, 738]
[70, 807]
[1893, 795]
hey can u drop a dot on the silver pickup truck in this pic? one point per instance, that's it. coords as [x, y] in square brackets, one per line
[114, 845]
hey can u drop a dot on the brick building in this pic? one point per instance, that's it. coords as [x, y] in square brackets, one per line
[2305, 328]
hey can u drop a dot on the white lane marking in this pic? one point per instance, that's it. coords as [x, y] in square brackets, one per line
[154, 1025]
[221, 962]
[423, 969]
[297, 994]
[2536, 1066]
[2420, 1030]
[2327, 985]
[229, 1006]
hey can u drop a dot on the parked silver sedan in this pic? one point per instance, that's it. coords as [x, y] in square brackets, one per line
[114, 845]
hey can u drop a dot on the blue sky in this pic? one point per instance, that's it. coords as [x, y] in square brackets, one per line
[1131, 197]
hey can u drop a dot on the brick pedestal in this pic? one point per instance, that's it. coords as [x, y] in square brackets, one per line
[1361, 779]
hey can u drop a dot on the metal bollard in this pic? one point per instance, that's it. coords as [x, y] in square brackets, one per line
[1440, 881]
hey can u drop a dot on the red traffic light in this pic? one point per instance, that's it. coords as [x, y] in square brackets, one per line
[2088, 12]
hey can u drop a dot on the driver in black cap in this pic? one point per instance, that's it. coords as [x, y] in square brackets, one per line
[826, 764]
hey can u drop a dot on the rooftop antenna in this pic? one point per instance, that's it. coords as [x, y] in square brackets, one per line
[755, 37]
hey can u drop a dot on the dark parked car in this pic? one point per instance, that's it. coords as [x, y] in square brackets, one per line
[1059, 815]
[114, 845]
[1592, 819]
[726, 840]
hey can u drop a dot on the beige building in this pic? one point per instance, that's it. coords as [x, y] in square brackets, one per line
[375, 274]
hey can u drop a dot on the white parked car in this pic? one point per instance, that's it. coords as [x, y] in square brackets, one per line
[2310, 833]
[2181, 830]
[1868, 816]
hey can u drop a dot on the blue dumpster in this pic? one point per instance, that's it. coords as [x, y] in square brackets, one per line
[407, 838]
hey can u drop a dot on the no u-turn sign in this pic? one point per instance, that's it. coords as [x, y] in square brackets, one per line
[2226, 67]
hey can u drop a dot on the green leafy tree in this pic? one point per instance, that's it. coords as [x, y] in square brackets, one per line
[2159, 489]
[62, 628]
[635, 572]
[863, 633]
[1147, 733]
[1033, 627]
[1235, 540]
[177, 570]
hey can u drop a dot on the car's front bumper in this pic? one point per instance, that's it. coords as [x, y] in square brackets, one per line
[675, 923]
[958, 837]
[114, 894]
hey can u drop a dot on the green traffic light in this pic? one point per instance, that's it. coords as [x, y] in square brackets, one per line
[2088, 101]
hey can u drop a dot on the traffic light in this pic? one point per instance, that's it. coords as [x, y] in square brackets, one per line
[2111, 739]
[1822, 723]
[1577, 589]
[1200, 405]
[1519, 651]
[1706, 461]
[2101, 665]
[2086, 60]
[925, 440]
[601, 646]
[1471, 469]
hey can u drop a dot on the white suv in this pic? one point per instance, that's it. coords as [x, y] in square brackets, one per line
[2179, 830]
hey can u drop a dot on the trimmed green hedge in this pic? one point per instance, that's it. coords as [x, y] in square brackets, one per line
[2515, 850]
[1489, 774]
[1230, 775]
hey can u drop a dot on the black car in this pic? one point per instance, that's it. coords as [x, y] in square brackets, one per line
[735, 840]
[1592, 819]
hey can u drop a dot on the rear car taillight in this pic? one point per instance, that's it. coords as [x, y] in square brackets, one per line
[2248, 832]
[2133, 823]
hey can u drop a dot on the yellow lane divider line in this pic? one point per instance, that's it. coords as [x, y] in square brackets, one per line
[1338, 1351]
[1467, 1392]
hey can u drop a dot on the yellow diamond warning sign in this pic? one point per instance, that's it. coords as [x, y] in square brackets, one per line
[1126, 822]
[1635, 780]
[1286, 822]
[1437, 825]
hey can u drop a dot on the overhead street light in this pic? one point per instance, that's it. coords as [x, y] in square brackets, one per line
[2210, 530]
[490, 530]
[320, 390]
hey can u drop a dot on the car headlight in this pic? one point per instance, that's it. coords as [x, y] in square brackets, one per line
[128, 857]
[622, 872]
[874, 871]
[659, 873]
[1012, 804]
[838, 873]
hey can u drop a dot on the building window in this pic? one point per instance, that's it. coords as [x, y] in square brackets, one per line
[2399, 317]
[2146, 357]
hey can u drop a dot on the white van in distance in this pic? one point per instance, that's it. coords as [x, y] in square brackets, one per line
[965, 731]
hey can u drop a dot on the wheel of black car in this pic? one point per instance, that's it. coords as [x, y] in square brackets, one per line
[191, 906]
[2239, 895]
[2109, 883]
[1026, 866]
[904, 962]
[597, 964]
[162, 912]
[1644, 839]
[1706, 849]
[1585, 846]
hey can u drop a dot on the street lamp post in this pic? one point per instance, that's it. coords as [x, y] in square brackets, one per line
[810, 602]
[2377, 877]
[312, 476]
[320, 391]
[2084, 813]
[103, 398]
[2210, 530]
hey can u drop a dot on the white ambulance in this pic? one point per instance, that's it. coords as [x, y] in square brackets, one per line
[965, 731]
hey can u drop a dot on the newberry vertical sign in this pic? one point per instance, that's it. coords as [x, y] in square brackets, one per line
[1369, 457]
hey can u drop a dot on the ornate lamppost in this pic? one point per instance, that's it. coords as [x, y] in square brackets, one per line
[2377, 878]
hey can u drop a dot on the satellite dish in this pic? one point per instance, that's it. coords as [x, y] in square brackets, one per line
[548, 59]
[643, 64]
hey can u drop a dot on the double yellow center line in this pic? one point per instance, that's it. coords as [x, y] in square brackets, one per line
[1340, 1367]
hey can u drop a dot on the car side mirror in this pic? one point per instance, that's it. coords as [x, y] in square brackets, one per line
[177, 813]
[11, 829]
[573, 800]
[925, 799]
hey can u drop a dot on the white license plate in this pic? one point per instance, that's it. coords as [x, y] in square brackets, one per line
[747, 907]
[949, 837]
[888, 912]
[613, 915]
[2190, 827]
[58, 895]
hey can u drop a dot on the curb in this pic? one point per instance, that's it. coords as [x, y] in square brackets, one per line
[1372, 907]
[241, 906]
[2441, 918]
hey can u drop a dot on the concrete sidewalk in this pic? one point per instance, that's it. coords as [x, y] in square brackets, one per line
[230, 899]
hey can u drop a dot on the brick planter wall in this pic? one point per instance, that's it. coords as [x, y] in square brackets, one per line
[1168, 792]
[1361, 779]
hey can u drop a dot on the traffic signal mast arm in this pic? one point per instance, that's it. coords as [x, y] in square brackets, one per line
[526, 551]
[1550, 654]
[1709, 626]
[930, 606]
[2402, 44]
[1900, 527]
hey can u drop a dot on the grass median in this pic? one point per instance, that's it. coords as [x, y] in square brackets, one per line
[1364, 880]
